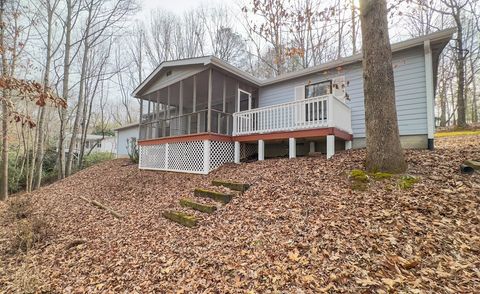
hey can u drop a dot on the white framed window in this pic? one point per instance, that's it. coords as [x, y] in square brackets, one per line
[318, 89]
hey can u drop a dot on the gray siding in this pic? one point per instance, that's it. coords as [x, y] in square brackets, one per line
[410, 92]
[122, 136]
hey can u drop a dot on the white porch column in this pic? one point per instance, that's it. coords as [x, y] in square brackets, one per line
[292, 147]
[237, 152]
[166, 156]
[206, 156]
[261, 150]
[330, 146]
[348, 145]
[312, 147]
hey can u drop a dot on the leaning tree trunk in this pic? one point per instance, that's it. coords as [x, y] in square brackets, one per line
[384, 151]
[5, 112]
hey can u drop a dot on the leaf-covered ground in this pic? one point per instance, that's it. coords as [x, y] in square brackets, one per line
[300, 228]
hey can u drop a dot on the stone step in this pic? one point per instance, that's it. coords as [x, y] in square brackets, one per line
[232, 185]
[180, 218]
[217, 196]
[186, 202]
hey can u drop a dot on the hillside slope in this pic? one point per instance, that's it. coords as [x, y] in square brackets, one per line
[300, 228]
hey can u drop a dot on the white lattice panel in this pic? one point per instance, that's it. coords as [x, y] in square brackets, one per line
[152, 156]
[186, 156]
[220, 153]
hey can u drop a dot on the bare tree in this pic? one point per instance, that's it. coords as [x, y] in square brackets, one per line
[102, 16]
[50, 7]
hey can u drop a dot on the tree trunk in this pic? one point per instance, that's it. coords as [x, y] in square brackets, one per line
[474, 94]
[81, 96]
[460, 66]
[384, 151]
[41, 120]
[66, 75]
[78, 115]
[5, 113]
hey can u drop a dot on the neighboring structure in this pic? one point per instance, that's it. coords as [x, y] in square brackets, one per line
[96, 143]
[123, 134]
[197, 114]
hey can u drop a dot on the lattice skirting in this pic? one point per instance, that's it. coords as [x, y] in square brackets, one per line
[191, 157]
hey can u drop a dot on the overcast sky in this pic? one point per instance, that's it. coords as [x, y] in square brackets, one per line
[176, 6]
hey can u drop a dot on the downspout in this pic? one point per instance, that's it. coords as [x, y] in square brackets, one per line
[430, 91]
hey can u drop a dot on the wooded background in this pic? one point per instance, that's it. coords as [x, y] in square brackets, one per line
[93, 53]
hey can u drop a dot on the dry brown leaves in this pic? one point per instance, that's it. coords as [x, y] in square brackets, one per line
[300, 228]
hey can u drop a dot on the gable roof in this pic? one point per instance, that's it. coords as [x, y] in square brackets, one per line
[204, 61]
[442, 37]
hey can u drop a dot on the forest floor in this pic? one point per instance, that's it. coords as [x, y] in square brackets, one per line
[302, 227]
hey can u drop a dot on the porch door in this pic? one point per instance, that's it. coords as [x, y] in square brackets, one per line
[245, 121]
[244, 100]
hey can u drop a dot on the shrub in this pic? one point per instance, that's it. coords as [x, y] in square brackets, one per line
[20, 207]
[407, 181]
[97, 157]
[29, 232]
[132, 149]
[359, 175]
[28, 279]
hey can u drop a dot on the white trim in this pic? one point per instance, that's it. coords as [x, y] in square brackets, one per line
[249, 99]
[429, 90]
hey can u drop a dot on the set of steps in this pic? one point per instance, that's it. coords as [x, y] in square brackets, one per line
[191, 221]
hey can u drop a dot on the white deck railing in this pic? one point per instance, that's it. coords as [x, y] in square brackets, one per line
[317, 112]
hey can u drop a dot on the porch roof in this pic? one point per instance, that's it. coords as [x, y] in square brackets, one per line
[438, 39]
[203, 61]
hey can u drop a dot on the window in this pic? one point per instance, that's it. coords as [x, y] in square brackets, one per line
[318, 89]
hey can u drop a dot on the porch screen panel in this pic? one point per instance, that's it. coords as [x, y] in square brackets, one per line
[201, 105]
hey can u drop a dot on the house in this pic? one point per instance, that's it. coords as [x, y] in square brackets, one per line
[123, 134]
[96, 143]
[197, 114]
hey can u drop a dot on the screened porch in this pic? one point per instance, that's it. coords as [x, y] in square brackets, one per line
[201, 103]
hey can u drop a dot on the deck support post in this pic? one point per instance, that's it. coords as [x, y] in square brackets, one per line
[206, 156]
[348, 145]
[237, 152]
[330, 146]
[261, 150]
[312, 147]
[292, 148]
